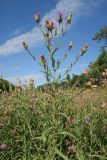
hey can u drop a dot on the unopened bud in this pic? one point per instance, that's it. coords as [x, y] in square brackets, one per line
[70, 44]
[84, 49]
[37, 18]
[25, 45]
[69, 19]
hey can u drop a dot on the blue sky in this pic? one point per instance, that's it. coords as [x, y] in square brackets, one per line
[17, 25]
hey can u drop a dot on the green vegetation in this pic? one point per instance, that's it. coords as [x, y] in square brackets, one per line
[5, 85]
[101, 36]
[36, 126]
[94, 72]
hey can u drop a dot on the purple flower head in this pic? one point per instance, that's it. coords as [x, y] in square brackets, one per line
[53, 22]
[60, 13]
[3, 147]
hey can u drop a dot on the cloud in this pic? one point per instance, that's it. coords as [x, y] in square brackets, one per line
[15, 32]
[34, 37]
[14, 69]
[75, 67]
[81, 66]
[24, 79]
[10, 68]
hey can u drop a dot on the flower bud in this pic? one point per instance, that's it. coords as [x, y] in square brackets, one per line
[37, 18]
[46, 34]
[84, 49]
[88, 84]
[25, 45]
[104, 105]
[43, 59]
[69, 18]
[48, 25]
[60, 17]
[70, 45]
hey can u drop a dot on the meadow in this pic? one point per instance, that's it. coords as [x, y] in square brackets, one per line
[36, 126]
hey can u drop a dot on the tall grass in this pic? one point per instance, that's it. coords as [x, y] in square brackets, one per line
[35, 126]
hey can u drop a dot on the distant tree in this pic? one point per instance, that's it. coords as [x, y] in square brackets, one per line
[5, 85]
[96, 68]
[101, 36]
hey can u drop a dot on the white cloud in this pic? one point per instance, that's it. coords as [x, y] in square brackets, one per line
[75, 66]
[16, 32]
[34, 37]
[24, 79]
[81, 66]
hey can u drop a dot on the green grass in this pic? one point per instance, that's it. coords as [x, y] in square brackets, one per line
[35, 126]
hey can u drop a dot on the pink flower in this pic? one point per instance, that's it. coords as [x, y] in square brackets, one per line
[60, 13]
[43, 59]
[53, 22]
[3, 147]
[60, 16]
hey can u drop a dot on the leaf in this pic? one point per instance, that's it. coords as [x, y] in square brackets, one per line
[68, 77]
[59, 153]
[59, 77]
[65, 56]
[67, 71]
[56, 32]
[54, 51]
[58, 63]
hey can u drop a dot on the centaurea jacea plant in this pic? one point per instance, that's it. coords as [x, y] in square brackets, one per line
[51, 30]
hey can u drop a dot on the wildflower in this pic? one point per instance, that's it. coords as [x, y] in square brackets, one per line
[89, 84]
[3, 147]
[46, 34]
[60, 18]
[72, 149]
[69, 19]
[50, 24]
[67, 142]
[60, 13]
[25, 45]
[43, 59]
[37, 18]
[104, 105]
[84, 49]
[70, 45]
[69, 121]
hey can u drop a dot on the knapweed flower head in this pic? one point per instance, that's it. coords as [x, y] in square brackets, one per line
[51, 24]
[104, 105]
[88, 84]
[3, 147]
[43, 59]
[84, 49]
[69, 19]
[60, 16]
[37, 18]
[70, 45]
[72, 149]
[60, 13]
[46, 34]
[25, 45]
